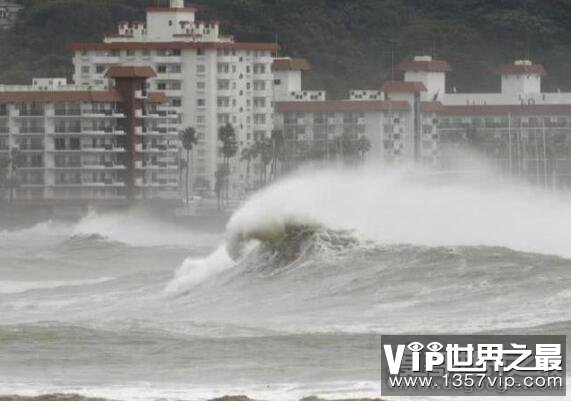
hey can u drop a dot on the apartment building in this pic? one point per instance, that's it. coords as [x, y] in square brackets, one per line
[69, 143]
[520, 130]
[209, 79]
[398, 119]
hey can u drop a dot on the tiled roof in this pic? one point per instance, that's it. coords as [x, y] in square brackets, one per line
[506, 109]
[340, 105]
[513, 69]
[118, 71]
[425, 65]
[111, 96]
[171, 46]
[431, 107]
[60, 96]
[403, 86]
[291, 64]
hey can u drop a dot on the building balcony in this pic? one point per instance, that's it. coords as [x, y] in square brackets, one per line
[173, 92]
[106, 59]
[172, 76]
[108, 148]
[141, 94]
[106, 166]
[106, 183]
[67, 113]
[167, 59]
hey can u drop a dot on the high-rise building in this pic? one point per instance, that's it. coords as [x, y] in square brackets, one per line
[66, 143]
[210, 79]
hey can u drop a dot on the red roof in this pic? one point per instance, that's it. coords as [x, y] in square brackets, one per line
[513, 69]
[431, 107]
[61, 96]
[290, 64]
[340, 105]
[425, 65]
[171, 46]
[478, 110]
[118, 71]
[111, 96]
[403, 87]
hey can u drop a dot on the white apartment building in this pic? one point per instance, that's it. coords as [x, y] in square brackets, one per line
[520, 129]
[210, 80]
[87, 146]
[399, 120]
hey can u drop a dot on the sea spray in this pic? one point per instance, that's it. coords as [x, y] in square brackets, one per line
[398, 207]
[194, 271]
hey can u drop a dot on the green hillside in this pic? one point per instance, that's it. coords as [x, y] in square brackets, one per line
[348, 42]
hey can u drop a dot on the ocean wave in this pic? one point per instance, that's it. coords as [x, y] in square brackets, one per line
[130, 228]
[410, 208]
[8, 287]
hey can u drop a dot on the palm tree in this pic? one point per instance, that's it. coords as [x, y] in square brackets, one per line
[4, 173]
[227, 135]
[248, 154]
[16, 161]
[266, 152]
[363, 146]
[278, 144]
[188, 138]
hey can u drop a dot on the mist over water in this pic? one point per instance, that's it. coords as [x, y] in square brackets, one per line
[131, 307]
[407, 208]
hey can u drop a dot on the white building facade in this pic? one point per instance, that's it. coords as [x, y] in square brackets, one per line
[210, 80]
[69, 144]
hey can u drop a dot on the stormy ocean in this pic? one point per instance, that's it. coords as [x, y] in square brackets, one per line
[290, 301]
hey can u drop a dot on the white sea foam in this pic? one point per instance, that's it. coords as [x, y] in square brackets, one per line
[17, 287]
[138, 230]
[403, 208]
[195, 271]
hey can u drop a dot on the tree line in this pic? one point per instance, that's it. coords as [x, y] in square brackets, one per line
[276, 155]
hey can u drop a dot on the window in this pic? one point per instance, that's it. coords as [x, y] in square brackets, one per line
[74, 144]
[223, 118]
[100, 68]
[85, 69]
[161, 86]
[59, 143]
[223, 68]
[223, 84]
[223, 101]
[259, 68]
[200, 68]
[259, 85]
[200, 119]
[259, 118]
[277, 82]
[201, 102]
[201, 85]
[200, 52]
[176, 103]
[260, 102]
[130, 52]
[161, 69]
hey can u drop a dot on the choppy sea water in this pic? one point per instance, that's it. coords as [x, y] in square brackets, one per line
[125, 307]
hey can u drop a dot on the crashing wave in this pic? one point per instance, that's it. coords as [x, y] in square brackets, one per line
[289, 242]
